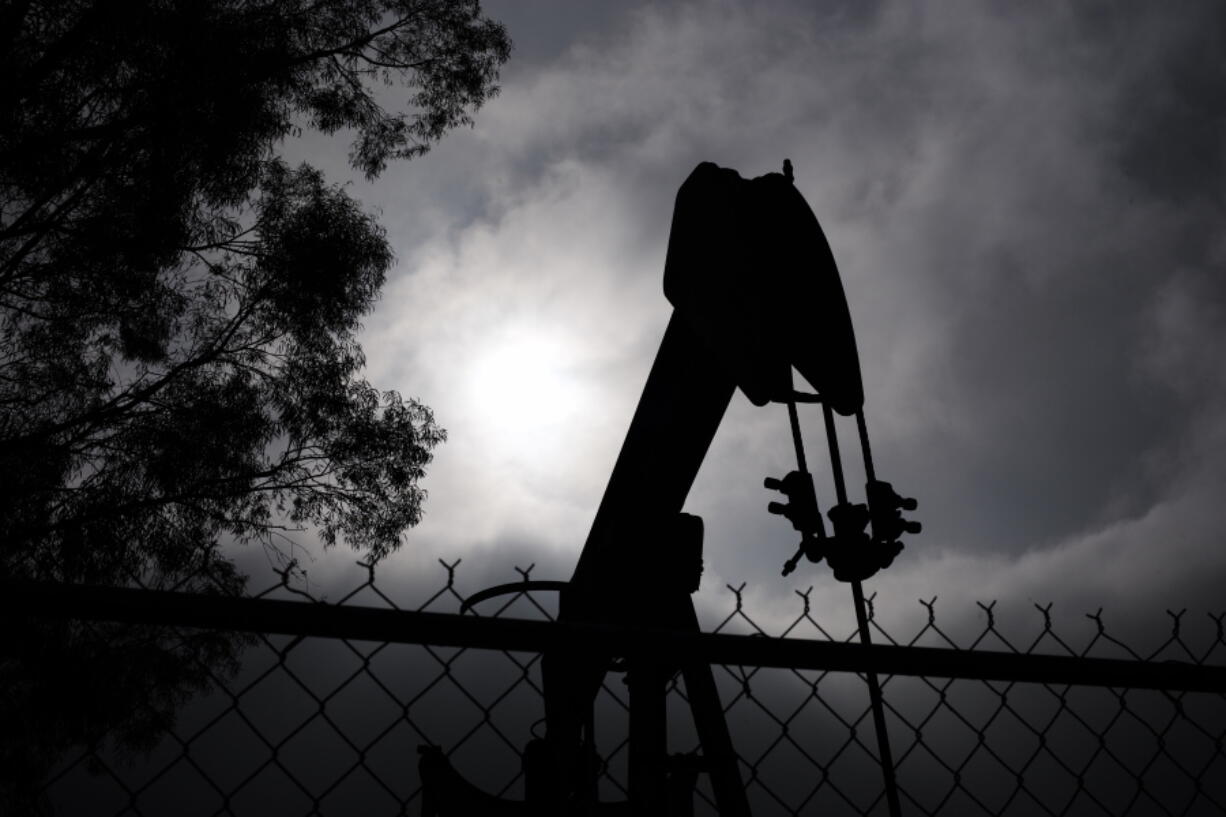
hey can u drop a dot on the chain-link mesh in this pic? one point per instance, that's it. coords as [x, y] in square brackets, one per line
[976, 747]
[312, 725]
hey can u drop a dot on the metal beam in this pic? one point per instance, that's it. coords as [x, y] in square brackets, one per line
[158, 607]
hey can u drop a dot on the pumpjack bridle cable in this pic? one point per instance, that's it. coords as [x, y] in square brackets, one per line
[857, 590]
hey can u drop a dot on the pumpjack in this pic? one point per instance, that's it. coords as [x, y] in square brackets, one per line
[756, 294]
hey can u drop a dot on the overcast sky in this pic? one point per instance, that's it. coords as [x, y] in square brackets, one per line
[1026, 205]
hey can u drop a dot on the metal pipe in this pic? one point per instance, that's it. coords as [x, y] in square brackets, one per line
[167, 608]
[836, 461]
[857, 596]
[866, 451]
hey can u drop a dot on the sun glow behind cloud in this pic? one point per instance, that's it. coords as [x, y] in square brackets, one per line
[523, 391]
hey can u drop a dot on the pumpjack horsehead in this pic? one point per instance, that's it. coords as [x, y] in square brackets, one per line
[756, 293]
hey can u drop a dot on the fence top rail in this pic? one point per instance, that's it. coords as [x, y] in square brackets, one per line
[168, 608]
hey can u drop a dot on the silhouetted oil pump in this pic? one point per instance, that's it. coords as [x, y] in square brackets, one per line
[756, 293]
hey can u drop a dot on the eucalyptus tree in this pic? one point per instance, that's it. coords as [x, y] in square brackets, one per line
[179, 305]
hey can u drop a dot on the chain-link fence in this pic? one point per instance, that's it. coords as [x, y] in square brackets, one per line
[327, 706]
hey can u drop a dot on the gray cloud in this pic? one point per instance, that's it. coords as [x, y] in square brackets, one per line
[1025, 203]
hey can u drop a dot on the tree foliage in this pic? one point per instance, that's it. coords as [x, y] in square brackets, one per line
[178, 305]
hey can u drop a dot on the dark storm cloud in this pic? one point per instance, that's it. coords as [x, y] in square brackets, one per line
[1025, 204]
[1172, 113]
[1046, 351]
